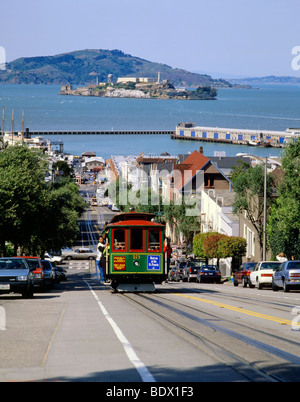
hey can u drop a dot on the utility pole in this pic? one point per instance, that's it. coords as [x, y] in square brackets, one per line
[12, 127]
[265, 211]
[3, 120]
[22, 127]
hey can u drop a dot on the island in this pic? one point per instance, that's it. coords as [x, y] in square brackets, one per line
[141, 88]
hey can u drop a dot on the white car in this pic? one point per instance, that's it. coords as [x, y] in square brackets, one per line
[56, 259]
[263, 274]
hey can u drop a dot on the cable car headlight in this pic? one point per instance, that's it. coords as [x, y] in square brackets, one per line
[136, 263]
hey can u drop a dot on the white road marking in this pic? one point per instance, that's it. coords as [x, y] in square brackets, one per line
[132, 356]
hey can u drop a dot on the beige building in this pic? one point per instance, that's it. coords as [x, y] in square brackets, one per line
[137, 80]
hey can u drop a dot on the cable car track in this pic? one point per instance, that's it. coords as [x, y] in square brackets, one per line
[247, 298]
[204, 333]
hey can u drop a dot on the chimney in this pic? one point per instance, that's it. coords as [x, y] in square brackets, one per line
[201, 150]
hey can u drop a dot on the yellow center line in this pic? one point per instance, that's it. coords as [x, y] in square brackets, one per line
[241, 310]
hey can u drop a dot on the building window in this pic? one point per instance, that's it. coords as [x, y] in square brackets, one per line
[209, 180]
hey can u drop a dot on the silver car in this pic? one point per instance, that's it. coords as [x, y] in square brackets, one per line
[81, 253]
[16, 276]
[287, 276]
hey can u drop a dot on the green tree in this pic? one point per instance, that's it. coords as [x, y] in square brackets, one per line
[64, 168]
[284, 224]
[22, 172]
[216, 245]
[232, 246]
[57, 225]
[34, 216]
[198, 241]
[211, 247]
[249, 189]
[179, 217]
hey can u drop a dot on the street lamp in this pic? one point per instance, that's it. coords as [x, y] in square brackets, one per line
[264, 160]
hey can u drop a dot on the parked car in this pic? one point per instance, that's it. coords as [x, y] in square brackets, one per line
[49, 274]
[16, 276]
[287, 276]
[81, 253]
[174, 275]
[180, 265]
[263, 273]
[55, 259]
[189, 272]
[38, 272]
[209, 273]
[60, 274]
[243, 274]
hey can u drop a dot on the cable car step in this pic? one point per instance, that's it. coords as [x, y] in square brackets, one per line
[135, 287]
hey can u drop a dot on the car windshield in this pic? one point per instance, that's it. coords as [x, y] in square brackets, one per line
[33, 263]
[250, 266]
[294, 265]
[209, 268]
[270, 265]
[6, 263]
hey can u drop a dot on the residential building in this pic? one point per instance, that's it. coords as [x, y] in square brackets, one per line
[198, 172]
[93, 162]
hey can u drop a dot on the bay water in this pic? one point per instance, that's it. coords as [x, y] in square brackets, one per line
[266, 108]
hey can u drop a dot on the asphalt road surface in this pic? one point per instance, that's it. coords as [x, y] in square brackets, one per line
[182, 333]
[185, 332]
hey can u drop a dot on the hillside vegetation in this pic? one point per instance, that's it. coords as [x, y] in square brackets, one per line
[82, 67]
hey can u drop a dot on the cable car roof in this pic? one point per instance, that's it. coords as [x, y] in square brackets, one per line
[134, 218]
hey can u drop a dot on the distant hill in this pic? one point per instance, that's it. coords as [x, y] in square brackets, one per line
[268, 80]
[83, 66]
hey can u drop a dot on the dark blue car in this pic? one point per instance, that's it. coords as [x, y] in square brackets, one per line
[209, 273]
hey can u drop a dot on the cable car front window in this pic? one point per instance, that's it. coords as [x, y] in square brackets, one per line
[119, 240]
[137, 239]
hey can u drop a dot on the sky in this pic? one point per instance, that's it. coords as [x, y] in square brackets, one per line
[223, 38]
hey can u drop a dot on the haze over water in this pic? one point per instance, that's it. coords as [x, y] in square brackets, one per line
[267, 108]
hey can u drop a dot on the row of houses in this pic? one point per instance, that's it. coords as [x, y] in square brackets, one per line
[205, 179]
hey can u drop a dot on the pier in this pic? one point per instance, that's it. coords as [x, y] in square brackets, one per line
[103, 132]
[278, 139]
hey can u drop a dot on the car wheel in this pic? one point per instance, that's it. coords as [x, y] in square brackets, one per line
[251, 286]
[28, 293]
[235, 283]
[244, 283]
[286, 288]
[274, 287]
[68, 258]
[91, 258]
